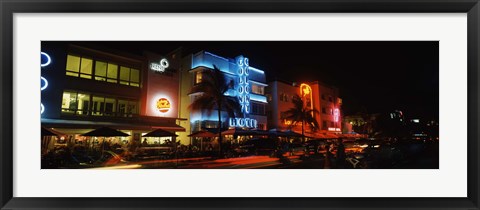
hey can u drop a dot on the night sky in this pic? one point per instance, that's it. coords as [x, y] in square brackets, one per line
[373, 77]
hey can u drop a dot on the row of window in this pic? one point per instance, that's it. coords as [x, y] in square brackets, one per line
[258, 109]
[102, 71]
[255, 88]
[78, 103]
[324, 111]
[324, 125]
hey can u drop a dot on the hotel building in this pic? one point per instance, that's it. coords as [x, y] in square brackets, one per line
[87, 87]
[248, 86]
[321, 97]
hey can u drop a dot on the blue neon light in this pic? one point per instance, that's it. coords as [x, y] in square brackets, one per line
[257, 70]
[44, 85]
[211, 54]
[258, 98]
[45, 59]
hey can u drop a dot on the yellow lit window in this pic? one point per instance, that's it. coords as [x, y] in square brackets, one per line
[100, 71]
[86, 68]
[73, 65]
[69, 102]
[198, 77]
[135, 77]
[124, 75]
[112, 73]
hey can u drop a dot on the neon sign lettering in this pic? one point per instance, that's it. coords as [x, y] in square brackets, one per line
[242, 122]
[161, 66]
[243, 91]
[336, 114]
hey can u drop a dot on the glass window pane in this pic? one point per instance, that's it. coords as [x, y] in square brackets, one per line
[69, 102]
[112, 71]
[110, 106]
[135, 84]
[124, 73]
[85, 76]
[86, 67]
[100, 69]
[83, 104]
[97, 105]
[73, 74]
[73, 63]
[135, 75]
[132, 107]
[122, 106]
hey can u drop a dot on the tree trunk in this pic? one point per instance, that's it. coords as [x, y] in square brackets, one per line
[303, 131]
[219, 130]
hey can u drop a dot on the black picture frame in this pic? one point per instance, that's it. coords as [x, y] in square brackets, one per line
[10, 7]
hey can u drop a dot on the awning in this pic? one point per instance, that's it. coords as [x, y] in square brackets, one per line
[88, 124]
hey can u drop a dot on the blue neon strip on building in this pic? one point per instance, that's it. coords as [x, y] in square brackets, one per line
[258, 98]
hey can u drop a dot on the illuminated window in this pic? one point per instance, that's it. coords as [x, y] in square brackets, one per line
[198, 77]
[129, 76]
[102, 106]
[69, 102]
[75, 103]
[135, 77]
[124, 75]
[127, 108]
[100, 71]
[98, 105]
[73, 65]
[112, 73]
[86, 68]
[79, 67]
[83, 104]
[78, 103]
[258, 89]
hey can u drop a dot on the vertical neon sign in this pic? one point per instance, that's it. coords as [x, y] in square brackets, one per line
[243, 87]
[336, 115]
[306, 91]
[243, 94]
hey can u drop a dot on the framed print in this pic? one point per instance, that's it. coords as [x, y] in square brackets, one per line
[239, 105]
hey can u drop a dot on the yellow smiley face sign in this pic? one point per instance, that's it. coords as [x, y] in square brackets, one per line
[163, 105]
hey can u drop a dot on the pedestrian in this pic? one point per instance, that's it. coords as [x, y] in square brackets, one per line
[340, 154]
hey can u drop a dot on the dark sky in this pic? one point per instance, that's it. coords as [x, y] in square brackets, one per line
[372, 76]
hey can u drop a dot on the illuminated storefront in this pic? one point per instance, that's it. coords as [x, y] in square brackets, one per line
[315, 95]
[248, 86]
[87, 87]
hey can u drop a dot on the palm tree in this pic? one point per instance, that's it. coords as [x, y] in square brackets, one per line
[213, 88]
[301, 113]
